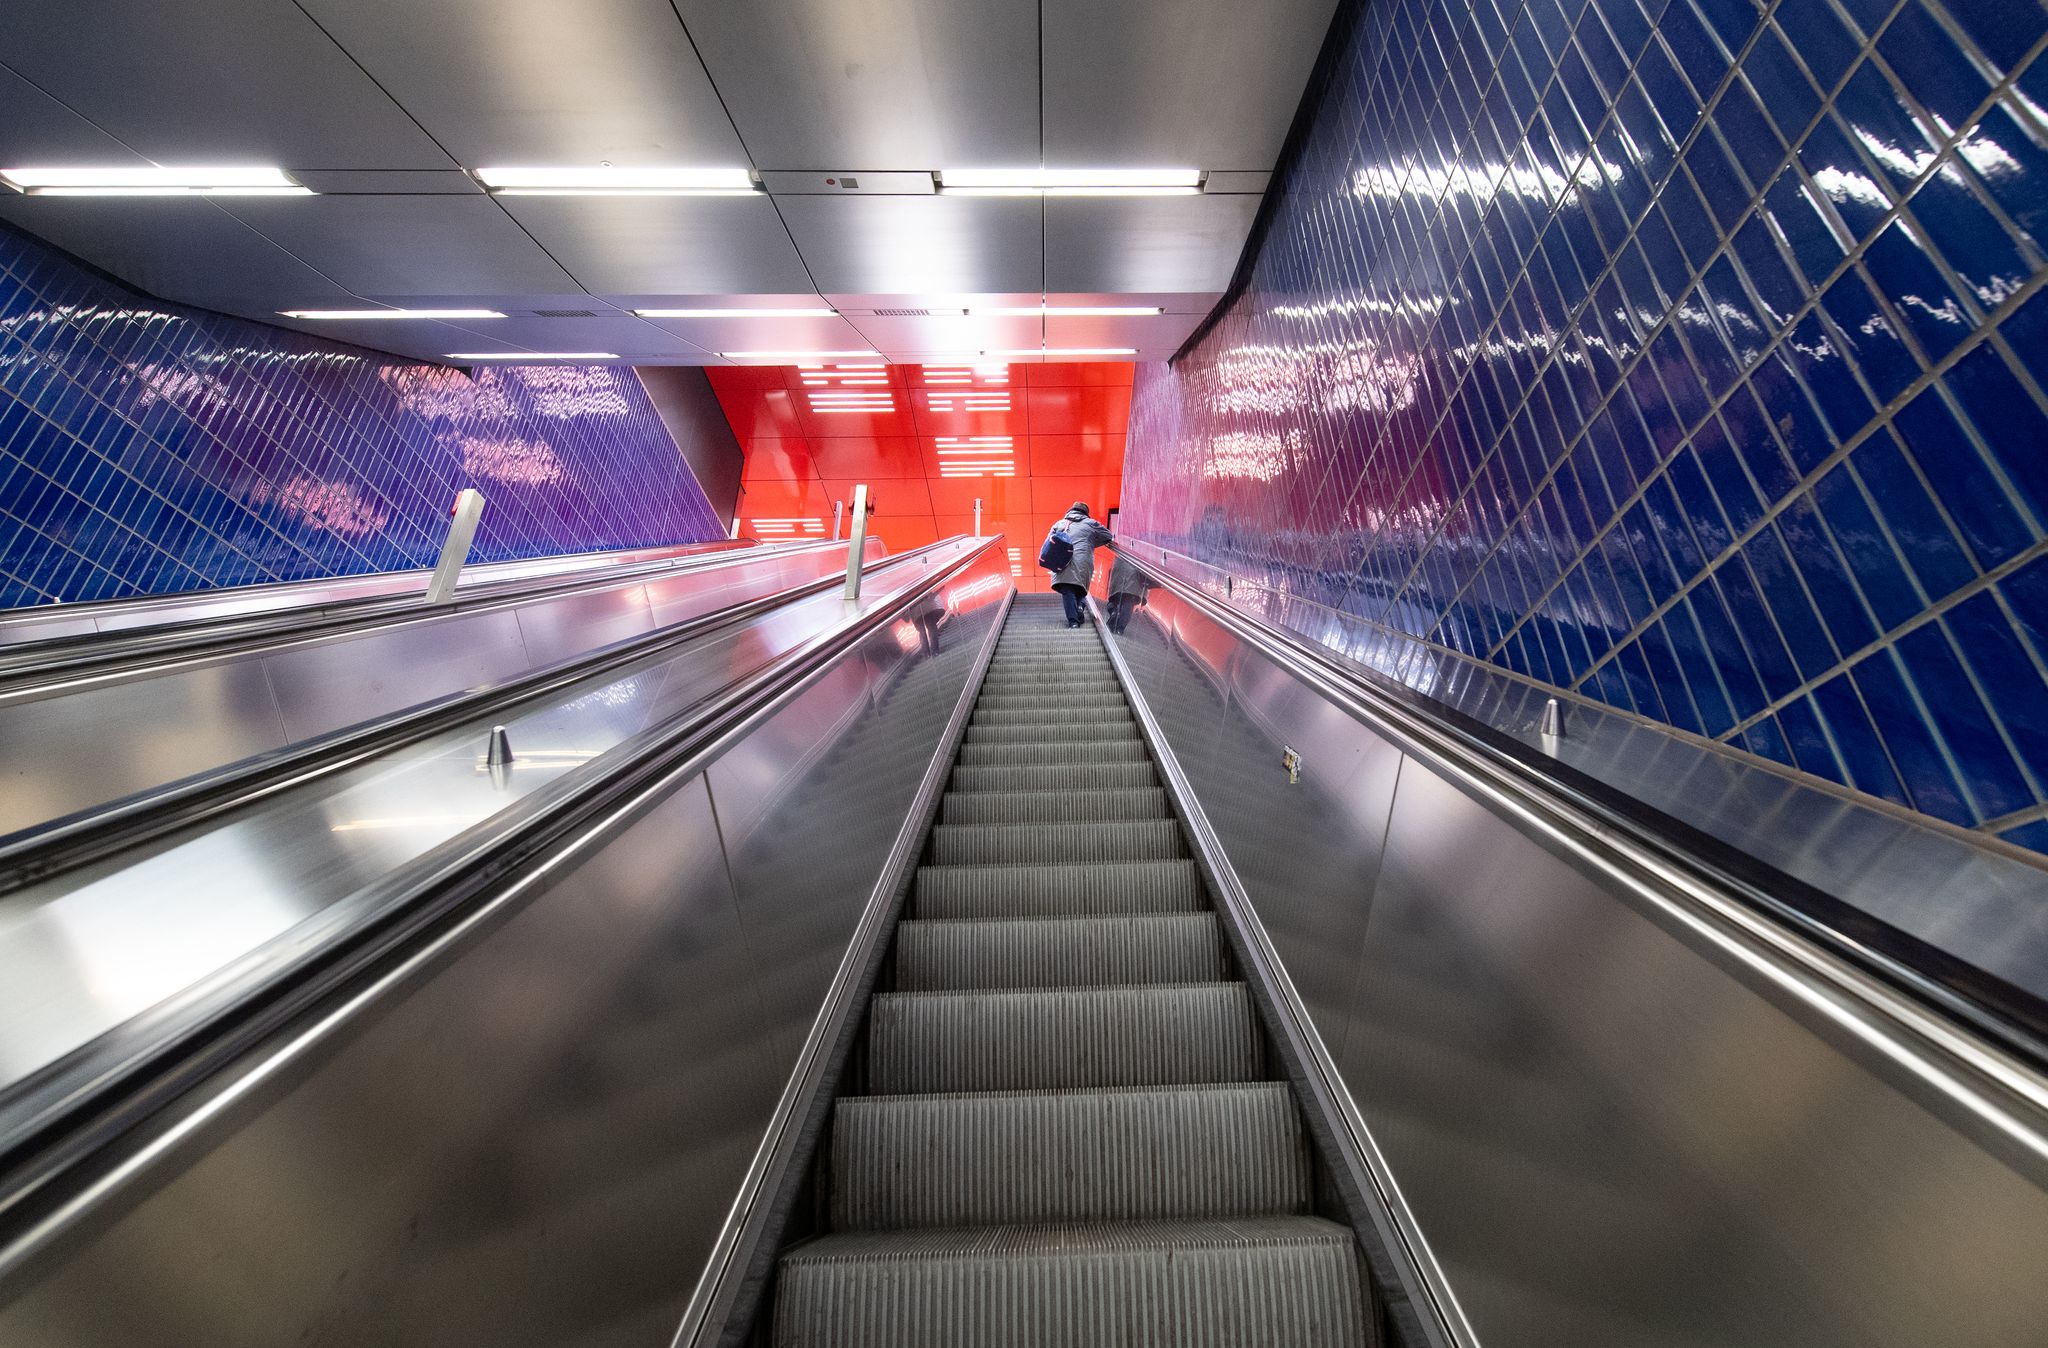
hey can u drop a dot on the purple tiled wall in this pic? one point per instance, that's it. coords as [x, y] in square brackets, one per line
[146, 449]
[1686, 357]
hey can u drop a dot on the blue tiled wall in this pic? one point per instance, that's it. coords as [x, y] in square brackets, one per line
[1689, 356]
[146, 448]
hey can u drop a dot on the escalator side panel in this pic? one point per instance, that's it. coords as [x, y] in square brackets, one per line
[1603, 1125]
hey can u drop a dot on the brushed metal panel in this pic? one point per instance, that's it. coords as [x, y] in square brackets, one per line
[919, 245]
[184, 249]
[1145, 243]
[508, 82]
[1196, 83]
[212, 81]
[874, 84]
[1608, 1137]
[1155, 338]
[618, 245]
[40, 130]
[532, 1143]
[762, 334]
[442, 245]
[61, 754]
[572, 624]
[331, 684]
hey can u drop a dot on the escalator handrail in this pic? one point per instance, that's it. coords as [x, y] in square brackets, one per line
[99, 1095]
[36, 854]
[1919, 1002]
[37, 669]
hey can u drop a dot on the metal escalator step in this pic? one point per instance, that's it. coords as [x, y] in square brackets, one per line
[1045, 844]
[936, 955]
[1007, 701]
[1059, 732]
[1068, 805]
[1257, 1282]
[1158, 1035]
[1180, 1152]
[1057, 891]
[988, 716]
[1005, 753]
[1044, 681]
[1051, 777]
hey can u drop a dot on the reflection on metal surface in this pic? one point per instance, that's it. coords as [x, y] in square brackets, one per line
[533, 1131]
[1602, 1112]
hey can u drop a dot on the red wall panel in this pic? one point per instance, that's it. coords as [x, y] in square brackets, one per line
[810, 435]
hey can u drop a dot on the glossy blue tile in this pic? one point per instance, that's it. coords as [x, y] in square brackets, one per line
[1708, 435]
[146, 448]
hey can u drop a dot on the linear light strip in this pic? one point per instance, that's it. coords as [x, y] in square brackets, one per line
[531, 355]
[374, 315]
[737, 313]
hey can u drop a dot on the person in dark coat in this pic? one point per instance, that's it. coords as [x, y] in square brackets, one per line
[1072, 580]
[1127, 589]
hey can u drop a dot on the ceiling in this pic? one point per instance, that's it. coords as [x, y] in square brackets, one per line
[381, 107]
[1026, 439]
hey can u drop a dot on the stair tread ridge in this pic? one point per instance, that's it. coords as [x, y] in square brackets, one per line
[1056, 1238]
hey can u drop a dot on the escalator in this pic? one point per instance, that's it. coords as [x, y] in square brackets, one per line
[949, 977]
[1069, 1134]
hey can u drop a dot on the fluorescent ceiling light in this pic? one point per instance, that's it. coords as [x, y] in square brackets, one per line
[1070, 351]
[154, 181]
[1072, 311]
[737, 313]
[608, 181]
[1071, 182]
[531, 355]
[799, 355]
[356, 315]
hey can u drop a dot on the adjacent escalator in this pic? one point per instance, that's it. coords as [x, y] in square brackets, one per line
[1070, 1132]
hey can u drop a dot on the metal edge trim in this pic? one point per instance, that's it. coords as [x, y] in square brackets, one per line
[1365, 1178]
[728, 1293]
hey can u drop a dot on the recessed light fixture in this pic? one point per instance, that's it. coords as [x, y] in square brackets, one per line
[1041, 182]
[800, 355]
[737, 313]
[1072, 311]
[357, 315]
[1070, 351]
[531, 355]
[608, 181]
[154, 181]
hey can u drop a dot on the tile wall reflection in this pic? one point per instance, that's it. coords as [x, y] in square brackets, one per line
[1686, 356]
[147, 448]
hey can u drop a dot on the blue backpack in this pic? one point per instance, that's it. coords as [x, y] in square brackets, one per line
[1057, 552]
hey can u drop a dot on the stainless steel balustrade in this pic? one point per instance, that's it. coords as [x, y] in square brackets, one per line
[57, 622]
[555, 1114]
[1586, 1096]
[80, 738]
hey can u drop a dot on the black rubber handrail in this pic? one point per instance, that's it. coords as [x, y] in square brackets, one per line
[36, 854]
[54, 1124]
[32, 666]
[1976, 1001]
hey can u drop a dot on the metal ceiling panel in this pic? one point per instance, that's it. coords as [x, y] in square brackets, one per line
[1172, 301]
[212, 80]
[624, 336]
[516, 82]
[425, 340]
[393, 182]
[40, 130]
[948, 336]
[402, 246]
[1206, 84]
[1155, 338]
[875, 84]
[765, 334]
[1128, 244]
[920, 245]
[618, 245]
[184, 249]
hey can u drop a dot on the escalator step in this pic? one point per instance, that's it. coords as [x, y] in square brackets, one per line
[1264, 1282]
[1047, 844]
[1077, 733]
[1059, 952]
[1051, 701]
[1068, 1156]
[1160, 1035]
[1080, 777]
[1053, 807]
[1057, 891]
[994, 753]
[1044, 716]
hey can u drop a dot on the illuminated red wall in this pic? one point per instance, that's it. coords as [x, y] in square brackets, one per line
[1029, 440]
